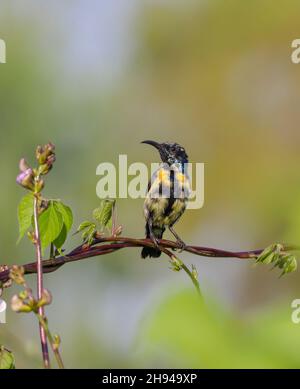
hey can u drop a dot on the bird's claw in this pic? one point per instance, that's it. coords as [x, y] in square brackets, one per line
[181, 245]
[155, 242]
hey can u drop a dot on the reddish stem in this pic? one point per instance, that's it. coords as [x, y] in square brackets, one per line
[39, 270]
[107, 245]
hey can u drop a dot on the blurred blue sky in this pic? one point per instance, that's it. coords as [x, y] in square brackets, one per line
[81, 37]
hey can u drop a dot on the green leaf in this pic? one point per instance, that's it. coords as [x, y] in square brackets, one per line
[84, 225]
[25, 213]
[50, 223]
[60, 240]
[66, 214]
[89, 229]
[270, 254]
[103, 214]
[67, 217]
[7, 360]
[288, 263]
[274, 254]
[89, 233]
[91, 238]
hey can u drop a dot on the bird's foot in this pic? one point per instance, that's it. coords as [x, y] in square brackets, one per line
[181, 245]
[155, 242]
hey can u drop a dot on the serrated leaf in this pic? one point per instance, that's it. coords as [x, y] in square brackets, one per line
[66, 213]
[291, 266]
[84, 225]
[60, 240]
[91, 238]
[89, 233]
[107, 212]
[50, 224]
[7, 360]
[97, 213]
[103, 214]
[109, 224]
[264, 257]
[25, 213]
[288, 263]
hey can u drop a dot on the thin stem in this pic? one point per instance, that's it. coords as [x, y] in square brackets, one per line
[39, 269]
[178, 262]
[113, 219]
[52, 251]
[193, 278]
[54, 347]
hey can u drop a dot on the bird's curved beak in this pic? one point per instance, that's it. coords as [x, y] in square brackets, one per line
[152, 143]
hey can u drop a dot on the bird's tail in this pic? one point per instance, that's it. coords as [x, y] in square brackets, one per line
[152, 251]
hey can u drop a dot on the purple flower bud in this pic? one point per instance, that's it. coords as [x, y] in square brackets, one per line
[47, 166]
[44, 153]
[23, 166]
[18, 305]
[46, 298]
[50, 147]
[40, 155]
[51, 159]
[17, 274]
[26, 179]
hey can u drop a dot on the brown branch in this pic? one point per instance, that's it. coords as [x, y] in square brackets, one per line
[103, 246]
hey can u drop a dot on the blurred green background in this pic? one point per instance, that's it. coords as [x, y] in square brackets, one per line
[96, 78]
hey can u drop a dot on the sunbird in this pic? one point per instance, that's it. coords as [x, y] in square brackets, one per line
[167, 195]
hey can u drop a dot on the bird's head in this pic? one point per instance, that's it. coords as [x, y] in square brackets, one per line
[170, 153]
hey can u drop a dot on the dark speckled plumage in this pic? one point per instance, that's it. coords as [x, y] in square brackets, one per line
[167, 195]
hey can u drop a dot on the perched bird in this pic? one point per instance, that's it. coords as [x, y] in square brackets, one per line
[167, 195]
